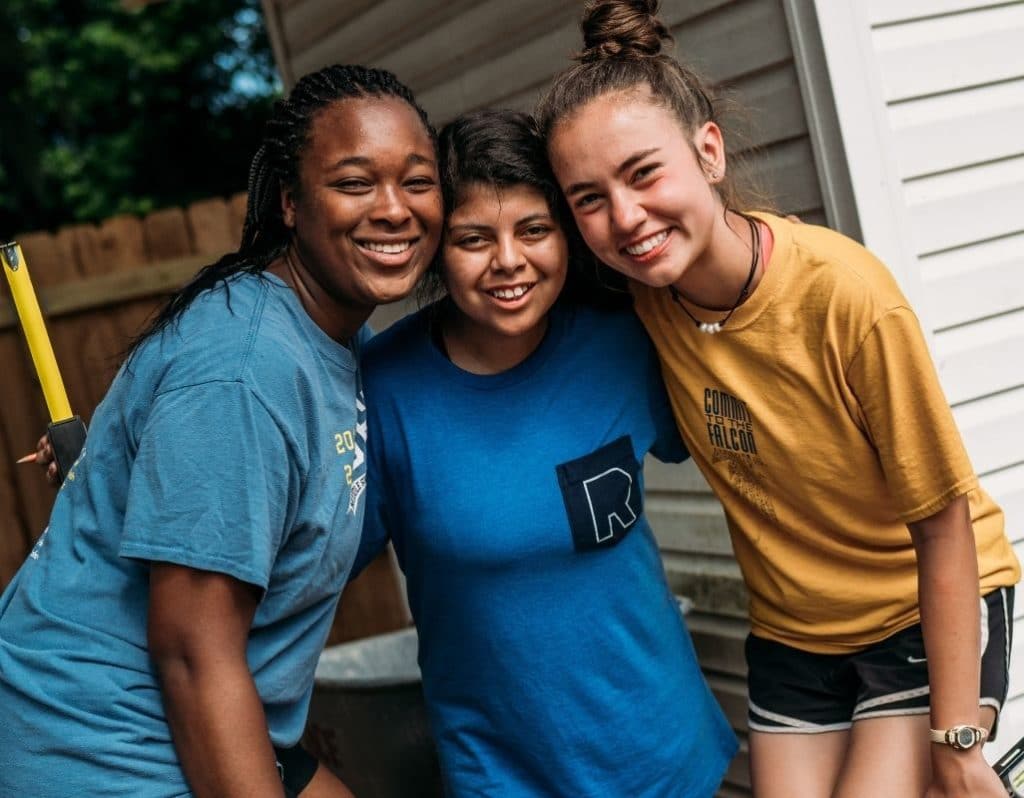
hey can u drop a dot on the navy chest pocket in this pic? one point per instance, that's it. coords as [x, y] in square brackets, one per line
[602, 495]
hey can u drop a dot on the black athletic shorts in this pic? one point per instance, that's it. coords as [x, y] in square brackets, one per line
[798, 692]
[296, 767]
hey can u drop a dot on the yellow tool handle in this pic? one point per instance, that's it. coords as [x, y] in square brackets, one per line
[27, 307]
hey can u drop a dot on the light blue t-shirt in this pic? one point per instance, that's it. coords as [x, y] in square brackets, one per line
[232, 442]
[555, 660]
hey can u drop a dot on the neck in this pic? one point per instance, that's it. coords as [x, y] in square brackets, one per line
[716, 277]
[338, 319]
[481, 350]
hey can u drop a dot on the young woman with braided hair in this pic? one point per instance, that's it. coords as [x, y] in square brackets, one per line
[802, 384]
[161, 639]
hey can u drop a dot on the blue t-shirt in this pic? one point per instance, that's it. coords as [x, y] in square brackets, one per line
[232, 442]
[554, 657]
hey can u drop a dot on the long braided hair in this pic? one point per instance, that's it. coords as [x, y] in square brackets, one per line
[275, 165]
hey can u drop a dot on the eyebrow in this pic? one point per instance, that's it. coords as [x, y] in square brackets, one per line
[463, 228]
[414, 159]
[631, 161]
[533, 217]
[419, 160]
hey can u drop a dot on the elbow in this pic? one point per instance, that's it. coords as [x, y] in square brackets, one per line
[173, 657]
[951, 524]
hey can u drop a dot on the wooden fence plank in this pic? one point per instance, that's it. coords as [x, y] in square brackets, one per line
[99, 336]
[237, 205]
[167, 234]
[108, 290]
[124, 245]
[14, 543]
[212, 226]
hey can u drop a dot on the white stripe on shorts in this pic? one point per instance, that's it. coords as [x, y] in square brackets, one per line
[790, 725]
[892, 698]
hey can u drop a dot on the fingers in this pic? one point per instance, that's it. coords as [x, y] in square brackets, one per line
[44, 450]
[44, 457]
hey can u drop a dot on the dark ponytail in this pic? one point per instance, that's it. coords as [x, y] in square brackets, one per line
[275, 165]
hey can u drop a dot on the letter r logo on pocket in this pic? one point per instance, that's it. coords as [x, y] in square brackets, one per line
[608, 506]
[601, 493]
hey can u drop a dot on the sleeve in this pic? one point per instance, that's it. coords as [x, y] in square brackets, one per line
[668, 443]
[908, 418]
[212, 484]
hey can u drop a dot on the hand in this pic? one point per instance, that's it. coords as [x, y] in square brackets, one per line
[325, 784]
[958, 774]
[46, 460]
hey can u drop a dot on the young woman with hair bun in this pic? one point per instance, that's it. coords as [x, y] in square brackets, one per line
[879, 572]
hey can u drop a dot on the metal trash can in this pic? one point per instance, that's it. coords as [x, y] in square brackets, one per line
[367, 721]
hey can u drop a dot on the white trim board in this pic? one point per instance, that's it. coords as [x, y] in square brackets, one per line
[868, 142]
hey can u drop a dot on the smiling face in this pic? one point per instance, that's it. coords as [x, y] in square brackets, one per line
[367, 213]
[505, 262]
[643, 201]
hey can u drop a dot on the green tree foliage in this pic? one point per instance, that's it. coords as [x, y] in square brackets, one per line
[108, 110]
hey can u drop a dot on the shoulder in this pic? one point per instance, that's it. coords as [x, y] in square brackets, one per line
[617, 328]
[207, 339]
[238, 331]
[392, 352]
[830, 261]
[604, 344]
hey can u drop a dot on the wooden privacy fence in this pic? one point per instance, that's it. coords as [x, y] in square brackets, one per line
[98, 285]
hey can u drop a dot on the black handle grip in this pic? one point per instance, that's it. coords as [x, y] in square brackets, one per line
[67, 439]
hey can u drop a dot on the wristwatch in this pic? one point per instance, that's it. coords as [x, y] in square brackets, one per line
[959, 737]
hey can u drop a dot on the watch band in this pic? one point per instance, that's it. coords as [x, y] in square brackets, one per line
[960, 737]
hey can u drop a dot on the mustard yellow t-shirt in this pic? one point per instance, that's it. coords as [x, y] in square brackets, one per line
[817, 417]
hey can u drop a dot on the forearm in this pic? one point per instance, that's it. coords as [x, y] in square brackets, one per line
[219, 728]
[948, 596]
[198, 631]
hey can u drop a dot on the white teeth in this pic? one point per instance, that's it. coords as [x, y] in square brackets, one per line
[387, 249]
[510, 293]
[648, 244]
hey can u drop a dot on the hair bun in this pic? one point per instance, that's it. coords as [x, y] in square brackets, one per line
[622, 29]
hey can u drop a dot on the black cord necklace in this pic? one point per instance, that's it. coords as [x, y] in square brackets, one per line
[713, 327]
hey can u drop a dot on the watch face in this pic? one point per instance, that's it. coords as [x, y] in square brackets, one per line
[965, 737]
